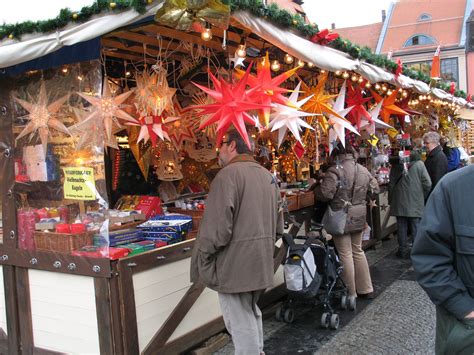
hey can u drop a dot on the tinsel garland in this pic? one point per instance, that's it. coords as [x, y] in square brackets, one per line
[272, 13]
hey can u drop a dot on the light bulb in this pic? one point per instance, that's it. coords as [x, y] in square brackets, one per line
[300, 63]
[275, 65]
[310, 65]
[241, 52]
[384, 88]
[64, 70]
[206, 34]
[288, 59]
[127, 74]
[338, 72]
[368, 85]
[345, 75]
[389, 92]
[360, 80]
[377, 86]
[354, 77]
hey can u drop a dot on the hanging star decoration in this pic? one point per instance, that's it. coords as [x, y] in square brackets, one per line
[319, 102]
[388, 106]
[264, 152]
[355, 97]
[338, 125]
[42, 116]
[105, 114]
[420, 122]
[180, 126]
[267, 89]
[95, 138]
[141, 151]
[152, 93]
[288, 117]
[403, 104]
[370, 125]
[238, 61]
[153, 127]
[232, 101]
[200, 99]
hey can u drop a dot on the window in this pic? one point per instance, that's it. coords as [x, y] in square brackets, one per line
[424, 17]
[419, 40]
[449, 69]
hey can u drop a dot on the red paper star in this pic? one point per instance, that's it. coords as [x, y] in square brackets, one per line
[388, 106]
[181, 128]
[399, 69]
[324, 37]
[359, 112]
[232, 102]
[266, 89]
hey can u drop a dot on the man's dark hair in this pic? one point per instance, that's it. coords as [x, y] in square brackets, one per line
[240, 145]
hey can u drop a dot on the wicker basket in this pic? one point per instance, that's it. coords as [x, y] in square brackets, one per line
[62, 242]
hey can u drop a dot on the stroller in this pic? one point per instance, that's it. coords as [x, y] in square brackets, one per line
[313, 275]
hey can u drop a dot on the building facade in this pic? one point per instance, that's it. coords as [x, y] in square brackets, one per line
[293, 6]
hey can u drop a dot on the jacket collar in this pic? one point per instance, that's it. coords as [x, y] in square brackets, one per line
[242, 158]
[435, 150]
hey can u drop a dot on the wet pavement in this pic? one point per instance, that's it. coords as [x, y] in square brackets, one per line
[400, 320]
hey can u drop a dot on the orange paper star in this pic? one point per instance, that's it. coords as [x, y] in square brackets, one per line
[388, 106]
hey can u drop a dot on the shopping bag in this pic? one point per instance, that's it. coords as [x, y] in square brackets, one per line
[334, 221]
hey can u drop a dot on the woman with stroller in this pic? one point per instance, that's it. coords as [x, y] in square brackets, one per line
[346, 185]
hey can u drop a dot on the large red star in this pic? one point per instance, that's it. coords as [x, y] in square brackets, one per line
[232, 101]
[267, 89]
[355, 98]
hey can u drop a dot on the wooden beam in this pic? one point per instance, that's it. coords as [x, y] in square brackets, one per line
[174, 319]
[138, 49]
[104, 315]
[13, 322]
[128, 309]
[24, 310]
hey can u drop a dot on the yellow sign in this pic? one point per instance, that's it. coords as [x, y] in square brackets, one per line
[392, 132]
[79, 183]
[373, 140]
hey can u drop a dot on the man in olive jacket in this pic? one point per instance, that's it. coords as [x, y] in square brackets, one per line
[234, 249]
[436, 162]
[408, 190]
[443, 258]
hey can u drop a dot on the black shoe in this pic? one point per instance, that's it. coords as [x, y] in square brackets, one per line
[367, 296]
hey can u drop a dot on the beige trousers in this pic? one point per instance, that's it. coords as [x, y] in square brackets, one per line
[356, 274]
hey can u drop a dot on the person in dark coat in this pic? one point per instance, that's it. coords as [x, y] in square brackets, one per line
[408, 188]
[436, 162]
[443, 259]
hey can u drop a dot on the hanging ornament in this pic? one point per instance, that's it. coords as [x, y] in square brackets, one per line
[181, 127]
[337, 126]
[153, 127]
[105, 114]
[141, 151]
[194, 174]
[152, 93]
[267, 89]
[41, 116]
[356, 99]
[399, 69]
[95, 136]
[203, 150]
[182, 14]
[388, 106]
[232, 101]
[319, 102]
[288, 117]
[200, 99]
[370, 125]
[168, 167]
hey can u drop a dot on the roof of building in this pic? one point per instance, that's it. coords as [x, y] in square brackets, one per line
[366, 35]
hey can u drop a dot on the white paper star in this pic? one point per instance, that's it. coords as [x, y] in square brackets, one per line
[41, 116]
[285, 117]
[374, 113]
[105, 114]
[238, 61]
[337, 126]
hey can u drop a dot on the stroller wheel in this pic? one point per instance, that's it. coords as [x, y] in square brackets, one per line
[344, 302]
[325, 320]
[334, 322]
[289, 316]
[352, 303]
[279, 313]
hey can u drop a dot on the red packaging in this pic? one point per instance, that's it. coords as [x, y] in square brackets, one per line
[63, 228]
[63, 213]
[149, 205]
[117, 253]
[41, 213]
[78, 228]
[160, 243]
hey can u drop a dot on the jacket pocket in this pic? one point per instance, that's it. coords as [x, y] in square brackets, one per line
[465, 251]
[207, 270]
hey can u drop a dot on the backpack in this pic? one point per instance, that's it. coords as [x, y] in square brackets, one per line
[301, 276]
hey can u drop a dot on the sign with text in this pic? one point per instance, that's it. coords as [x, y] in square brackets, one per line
[79, 183]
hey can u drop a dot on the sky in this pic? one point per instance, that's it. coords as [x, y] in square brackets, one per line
[344, 13]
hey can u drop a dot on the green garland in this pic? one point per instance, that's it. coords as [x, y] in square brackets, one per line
[272, 13]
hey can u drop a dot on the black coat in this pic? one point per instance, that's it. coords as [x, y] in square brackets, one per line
[437, 165]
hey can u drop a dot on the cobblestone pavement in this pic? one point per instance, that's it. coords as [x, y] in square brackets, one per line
[400, 320]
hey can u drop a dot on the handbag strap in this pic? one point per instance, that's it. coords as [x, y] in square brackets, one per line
[354, 184]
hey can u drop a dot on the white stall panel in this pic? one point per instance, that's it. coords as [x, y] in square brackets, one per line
[64, 312]
[3, 311]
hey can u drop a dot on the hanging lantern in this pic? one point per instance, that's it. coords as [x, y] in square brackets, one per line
[169, 167]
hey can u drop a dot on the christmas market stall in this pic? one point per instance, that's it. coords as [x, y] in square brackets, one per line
[110, 121]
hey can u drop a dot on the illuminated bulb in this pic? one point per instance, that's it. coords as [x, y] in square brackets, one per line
[360, 80]
[384, 88]
[354, 77]
[80, 77]
[404, 94]
[338, 72]
[275, 65]
[75, 16]
[127, 74]
[420, 97]
[400, 90]
[345, 75]
[428, 97]
[322, 71]
[64, 70]
[310, 65]
[389, 92]
[377, 86]
[368, 85]
[300, 63]
[288, 59]
[241, 52]
[427, 106]
[206, 34]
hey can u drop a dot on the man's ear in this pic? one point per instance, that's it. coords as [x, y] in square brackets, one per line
[233, 146]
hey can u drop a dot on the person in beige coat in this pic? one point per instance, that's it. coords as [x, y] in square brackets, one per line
[346, 185]
[233, 254]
